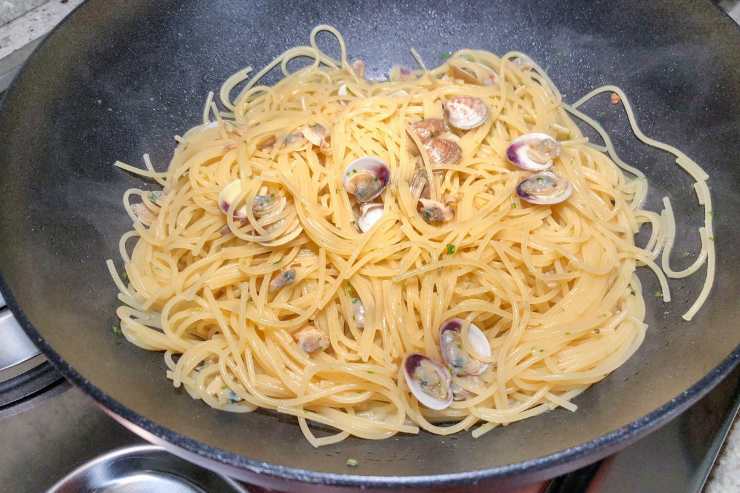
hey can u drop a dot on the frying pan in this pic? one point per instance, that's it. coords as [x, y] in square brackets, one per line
[118, 79]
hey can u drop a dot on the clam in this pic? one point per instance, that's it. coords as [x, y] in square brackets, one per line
[462, 73]
[428, 381]
[369, 215]
[454, 355]
[262, 204]
[358, 312]
[460, 385]
[418, 183]
[435, 212]
[228, 196]
[283, 279]
[465, 74]
[399, 72]
[428, 128]
[466, 112]
[443, 151]
[316, 134]
[294, 139]
[311, 339]
[544, 188]
[533, 152]
[358, 67]
[366, 178]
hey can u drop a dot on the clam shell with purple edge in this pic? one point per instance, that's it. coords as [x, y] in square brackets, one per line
[410, 364]
[518, 152]
[366, 178]
[544, 188]
[452, 352]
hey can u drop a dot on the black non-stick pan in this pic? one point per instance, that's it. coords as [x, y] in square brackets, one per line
[120, 78]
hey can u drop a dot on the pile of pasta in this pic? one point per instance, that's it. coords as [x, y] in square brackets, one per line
[553, 287]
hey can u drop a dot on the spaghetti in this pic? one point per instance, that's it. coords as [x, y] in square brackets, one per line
[291, 307]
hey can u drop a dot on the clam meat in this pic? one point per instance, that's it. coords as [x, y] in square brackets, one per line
[544, 188]
[366, 178]
[311, 339]
[434, 212]
[428, 381]
[458, 360]
[533, 152]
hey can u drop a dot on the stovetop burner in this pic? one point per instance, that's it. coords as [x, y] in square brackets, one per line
[24, 371]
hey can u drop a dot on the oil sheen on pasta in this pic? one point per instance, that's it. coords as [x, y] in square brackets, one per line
[553, 288]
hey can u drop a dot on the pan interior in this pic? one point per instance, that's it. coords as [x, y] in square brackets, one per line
[114, 83]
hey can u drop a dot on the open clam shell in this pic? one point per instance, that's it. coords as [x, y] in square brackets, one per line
[533, 151]
[459, 361]
[544, 188]
[228, 196]
[428, 381]
[366, 178]
[369, 215]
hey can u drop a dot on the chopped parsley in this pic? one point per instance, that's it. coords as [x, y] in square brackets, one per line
[352, 462]
[116, 329]
[154, 196]
[446, 55]
[658, 293]
[451, 249]
[514, 205]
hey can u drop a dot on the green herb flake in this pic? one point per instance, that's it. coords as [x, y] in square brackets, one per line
[446, 55]
[514, 205]
[116, 329]
[451, 249]
[352, 462]
[154, 196]
[568, 333]
[658, 293]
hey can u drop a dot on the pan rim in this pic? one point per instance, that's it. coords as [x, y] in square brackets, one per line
[561, 461]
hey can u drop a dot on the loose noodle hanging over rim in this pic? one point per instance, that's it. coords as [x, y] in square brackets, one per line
[552, 287]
